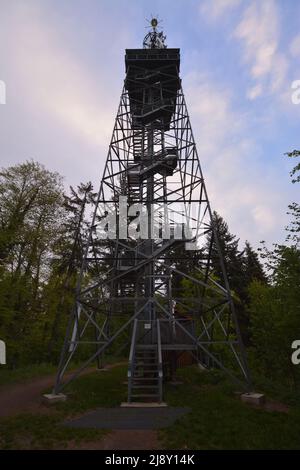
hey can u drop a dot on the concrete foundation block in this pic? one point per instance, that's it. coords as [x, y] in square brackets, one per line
[51, 398]
[253, 398]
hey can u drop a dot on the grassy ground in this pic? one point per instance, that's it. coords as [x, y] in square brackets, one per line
[12, 376]
[218, 419]
[44, 431]
[33, 371]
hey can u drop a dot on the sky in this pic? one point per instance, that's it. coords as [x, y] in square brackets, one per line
[62, 62]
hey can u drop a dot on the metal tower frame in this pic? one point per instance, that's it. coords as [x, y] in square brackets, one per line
[151, 218]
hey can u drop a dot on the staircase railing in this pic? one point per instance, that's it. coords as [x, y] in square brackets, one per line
[131, 362]
[160, 366]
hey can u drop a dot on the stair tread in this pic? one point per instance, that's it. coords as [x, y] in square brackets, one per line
[147, 365]
[142, 395]
[144, 386]
[152, 363]
[145, 378]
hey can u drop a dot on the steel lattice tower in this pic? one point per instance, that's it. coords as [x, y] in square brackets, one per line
[152, 235]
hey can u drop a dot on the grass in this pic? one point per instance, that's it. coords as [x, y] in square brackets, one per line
[45, 431]
[29, 431]
[33, 371]
[26, 373]
[219, 420]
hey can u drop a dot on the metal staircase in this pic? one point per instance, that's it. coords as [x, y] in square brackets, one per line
[145, 371]
[138, 143]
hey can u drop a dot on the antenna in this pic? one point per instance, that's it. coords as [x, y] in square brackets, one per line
[154, 39]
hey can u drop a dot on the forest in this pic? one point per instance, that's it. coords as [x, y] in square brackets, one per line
[43, 227]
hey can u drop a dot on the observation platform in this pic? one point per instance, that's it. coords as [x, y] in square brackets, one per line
[152, 81]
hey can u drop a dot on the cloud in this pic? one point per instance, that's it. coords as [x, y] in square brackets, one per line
[214, 9]
[233, 163]
[259, 33]
[51, 79]
[295, 46]
[255, 91]
[264, 217]
[211, 105]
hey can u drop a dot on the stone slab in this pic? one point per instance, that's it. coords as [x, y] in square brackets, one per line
[253, 398]
[51, 398]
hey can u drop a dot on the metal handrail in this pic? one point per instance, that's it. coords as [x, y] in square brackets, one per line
[131, 363]
[160, 366]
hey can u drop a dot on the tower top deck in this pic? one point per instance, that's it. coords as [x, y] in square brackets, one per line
[152, 58]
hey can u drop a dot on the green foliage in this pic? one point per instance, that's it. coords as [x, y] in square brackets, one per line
[294, 208]
[42, 232]
[296, 170]
[274, 309]
[241, 266]
[31, 213]
[38, 432]
[275, 316]
[25, 373]
[219, 420]
[47, 431]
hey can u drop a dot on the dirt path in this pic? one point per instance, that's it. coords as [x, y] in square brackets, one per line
[117, 439]
[26, 396]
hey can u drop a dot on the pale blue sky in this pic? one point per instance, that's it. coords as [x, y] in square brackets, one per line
[63, 65]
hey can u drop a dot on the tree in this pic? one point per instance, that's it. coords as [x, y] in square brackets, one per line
[30, 216]
[275, 316]
[275, 308]
[294, 208]
[253, 269]
[68, 252]
[241, 266]
[233, 264]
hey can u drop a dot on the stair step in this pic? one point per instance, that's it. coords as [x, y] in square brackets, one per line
[150, 363]
[143, 358]
[149, 366]
[144, 366]
[152, 387]
[146, 379]
[144, 395]
[146, 353]
[146, 358]
[155, 374]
